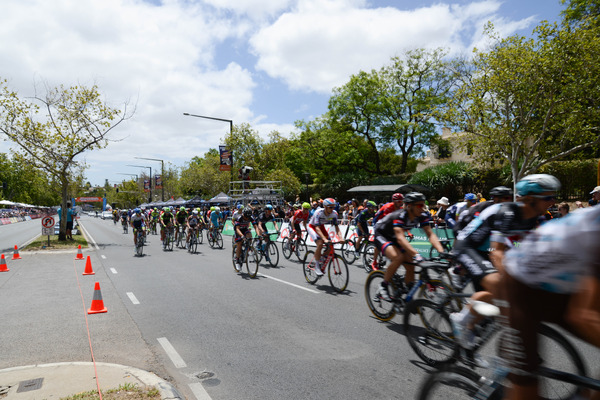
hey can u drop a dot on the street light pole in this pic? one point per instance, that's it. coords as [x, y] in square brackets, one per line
[149, 179]
[230, 133]
[162, 174]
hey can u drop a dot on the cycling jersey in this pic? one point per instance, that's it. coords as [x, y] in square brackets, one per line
[137, 221]
[181, 216]
[166, 218]
[453, 212]
[400, 219]
[319, 218]
[387, 208]
[214, 217]
[556, 255]
[263, 218]
[193, 220]
[300, 216]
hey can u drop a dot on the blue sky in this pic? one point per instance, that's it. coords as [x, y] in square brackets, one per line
[264, 62]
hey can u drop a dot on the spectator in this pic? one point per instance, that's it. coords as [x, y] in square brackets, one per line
[480, 198]
[442, 204]
[595, 196]
[563, 210]
[69, 220]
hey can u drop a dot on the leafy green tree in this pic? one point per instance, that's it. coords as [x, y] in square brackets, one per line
[201, 176]
[452, 179]
[246, 145]
[531, 101]
[76, 120]
[25, 183]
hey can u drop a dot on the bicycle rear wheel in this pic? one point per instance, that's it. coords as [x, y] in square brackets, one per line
[368, 255]
[348, 251]
[286, 248]
[218, 240]
[337, 272]
[251, 262]
[309, 267]
[454, 383]
[194, 243]
[429, 332]
[272, 254]
[301, 249]
[381, 309]
[139, 250]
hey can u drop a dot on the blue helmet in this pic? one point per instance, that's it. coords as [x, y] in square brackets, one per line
[268, 207]
[470, 196]
[137, 211]
[537, 183]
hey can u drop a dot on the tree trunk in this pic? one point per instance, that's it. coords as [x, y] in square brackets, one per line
[62, 233]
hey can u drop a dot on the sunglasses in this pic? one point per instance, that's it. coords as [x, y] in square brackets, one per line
[545, 198]
[419, 205]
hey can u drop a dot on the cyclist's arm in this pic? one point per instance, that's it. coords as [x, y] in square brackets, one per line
[401, 239]
[433, 239]
[497, 255]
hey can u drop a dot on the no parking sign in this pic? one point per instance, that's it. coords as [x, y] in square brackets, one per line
[47, 225]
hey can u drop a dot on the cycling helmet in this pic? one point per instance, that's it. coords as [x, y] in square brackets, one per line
[329, 202]
[137, 211]
[537, 183]
[397, 196]
[182, 209]
[247, 213]
[240, 206]
[167, 209]
[501, 191]
[470, 196]
[268, 207]
[371, 204]
[195, 212]
[306, 205]
[217, 209]
[413, 197]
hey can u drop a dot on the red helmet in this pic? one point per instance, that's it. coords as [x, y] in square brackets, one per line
[397, 196]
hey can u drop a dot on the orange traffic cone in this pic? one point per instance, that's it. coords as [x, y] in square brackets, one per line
[79, 254]
[97, 303]
[88, 267]
[3, 267]
[16, 255]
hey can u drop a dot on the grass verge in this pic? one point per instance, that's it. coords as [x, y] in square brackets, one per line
[128, 391]
[41, 243]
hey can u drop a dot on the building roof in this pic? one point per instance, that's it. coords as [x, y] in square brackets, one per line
[401, 188]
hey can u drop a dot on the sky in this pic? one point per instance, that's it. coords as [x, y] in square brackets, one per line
[267, 63]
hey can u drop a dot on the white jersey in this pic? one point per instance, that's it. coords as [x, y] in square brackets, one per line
[559, 253]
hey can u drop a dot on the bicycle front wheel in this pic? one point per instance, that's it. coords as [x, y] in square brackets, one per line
[140, 247]
[272, 254]
[309, 267]
[170, 242]
[348, 251]
[251, 262]
[194, 244]
[286, 248]
[338, 273]
[429, 332]
[368, 256]
[301, 249]
[219, 240]
[381, 309]
[455, 383]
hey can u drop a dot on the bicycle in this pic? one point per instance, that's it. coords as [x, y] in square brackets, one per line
[125, 226]
[168, 240]
[297, 247]
[248, 256]
[267, 249]
[139, 245]
[337, 269]
[214, 238]
[192, 243]
[349, 251]
[433, 280]
[153, 227]
[454, 382]
[180, 236]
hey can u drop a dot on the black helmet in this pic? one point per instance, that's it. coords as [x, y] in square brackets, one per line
[501, 191]
[247, 212]
[413, 197]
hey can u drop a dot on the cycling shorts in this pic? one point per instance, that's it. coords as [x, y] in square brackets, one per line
[244, 231]
[528, 308]
[298, 229]
[382, 243]
[312, 231]
[476, 262]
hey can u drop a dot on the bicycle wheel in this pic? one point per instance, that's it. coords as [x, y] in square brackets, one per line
[257, 245]
[309, 267]
[368, 254]
[301, 249]
[429, 332]
[454, 383]
[272, 254]
[218, 240]
[286, 248]
[251, 262]
[211, 239]
[381, 309]
[139, 250]
[337, 272]
[194, 243]
[348, 251]
[170, 241]
[233, 257]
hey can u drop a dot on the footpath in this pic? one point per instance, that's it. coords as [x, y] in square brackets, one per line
[50, 347]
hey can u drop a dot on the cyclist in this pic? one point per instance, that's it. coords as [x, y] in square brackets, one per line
[215, 219]
[180, 220]
[481, 245]
[166, 220]
[138, 222]
[317, 231]
[300, 216]
[241, 224]
[390, 238]
[193, 223]
[263, 218]
[124, 218]
[362, 224]
[454, 211]
[553, 276]
[154, 214]
[396, 204]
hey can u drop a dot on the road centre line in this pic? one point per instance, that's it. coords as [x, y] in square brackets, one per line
[172, 353]
[114, 271]
[199, 391]
[103, 256]
[289, 283]
[132, 297]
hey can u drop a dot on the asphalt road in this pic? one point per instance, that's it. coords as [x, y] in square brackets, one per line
[191, 319]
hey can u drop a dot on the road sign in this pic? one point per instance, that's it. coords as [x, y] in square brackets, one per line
[47, 222]
[47, 231]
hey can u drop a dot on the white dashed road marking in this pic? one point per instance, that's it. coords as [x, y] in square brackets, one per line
[132, 297]
[172, 353]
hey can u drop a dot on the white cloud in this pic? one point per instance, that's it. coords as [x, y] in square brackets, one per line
[320, 43]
